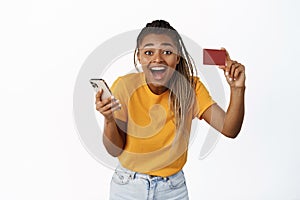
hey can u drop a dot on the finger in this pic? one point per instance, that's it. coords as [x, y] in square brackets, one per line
[102, 107]
[232, 69]
[110, 105]
[236, 74]
[226, 53]
[98, 95]
[222, 67]
[109, 113]
[228, 68]
[239, 70]
[101, 104]
[115, 104]
[116, 107]
[108, 100]
[229, 79]
[111, 110]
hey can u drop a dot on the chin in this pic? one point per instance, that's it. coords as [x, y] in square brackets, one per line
[157, 83]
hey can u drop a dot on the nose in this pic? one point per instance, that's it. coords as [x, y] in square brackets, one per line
[157, 57]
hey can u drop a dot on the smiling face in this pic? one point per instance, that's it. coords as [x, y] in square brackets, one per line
[158, 56]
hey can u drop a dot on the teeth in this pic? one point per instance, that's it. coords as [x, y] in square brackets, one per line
[158, 68]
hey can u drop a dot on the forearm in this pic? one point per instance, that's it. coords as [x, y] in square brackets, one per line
[113, 138]
[235, 113]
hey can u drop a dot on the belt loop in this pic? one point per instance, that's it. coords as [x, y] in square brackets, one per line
[134, 175]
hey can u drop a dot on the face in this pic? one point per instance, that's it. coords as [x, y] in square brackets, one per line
[158, 56]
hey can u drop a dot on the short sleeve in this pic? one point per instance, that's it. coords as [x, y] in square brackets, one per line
[203, 99]
[120, 92]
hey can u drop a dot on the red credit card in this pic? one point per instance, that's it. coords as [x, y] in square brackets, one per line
[214, 57]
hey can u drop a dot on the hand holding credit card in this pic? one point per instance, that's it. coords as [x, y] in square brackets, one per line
[214, 57]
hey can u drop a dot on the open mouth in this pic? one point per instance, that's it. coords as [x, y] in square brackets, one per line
[158, 72]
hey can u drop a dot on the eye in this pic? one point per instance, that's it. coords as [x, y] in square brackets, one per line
[167, 52]
[149, 53]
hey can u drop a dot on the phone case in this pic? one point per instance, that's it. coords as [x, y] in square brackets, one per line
[100, 83]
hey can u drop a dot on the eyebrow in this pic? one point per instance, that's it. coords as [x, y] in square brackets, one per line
[163, 44]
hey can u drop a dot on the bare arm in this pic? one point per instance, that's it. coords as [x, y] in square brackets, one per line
[114, 138]
[114, 135]
[230, 123]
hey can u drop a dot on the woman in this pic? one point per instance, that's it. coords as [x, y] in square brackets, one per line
[148, 121]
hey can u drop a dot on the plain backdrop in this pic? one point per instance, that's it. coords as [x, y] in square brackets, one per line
[43, 45]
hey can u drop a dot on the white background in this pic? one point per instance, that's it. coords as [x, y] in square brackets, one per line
[44, 43]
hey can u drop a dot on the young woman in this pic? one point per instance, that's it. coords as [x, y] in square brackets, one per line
[148, 121]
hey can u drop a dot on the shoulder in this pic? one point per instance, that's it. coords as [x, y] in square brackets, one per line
[131, 77]
[200, 88]
[203, 98]
[197, 82]
[196, 79]
[128, 82]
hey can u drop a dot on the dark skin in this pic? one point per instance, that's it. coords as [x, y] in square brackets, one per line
[114, 137]
[228, 123]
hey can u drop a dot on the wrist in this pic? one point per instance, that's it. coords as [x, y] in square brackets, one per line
[240, 90]
[110, 120]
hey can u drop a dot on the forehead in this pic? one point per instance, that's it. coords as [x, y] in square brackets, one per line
[156, 40]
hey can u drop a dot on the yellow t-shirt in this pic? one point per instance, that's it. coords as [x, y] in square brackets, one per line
[152, 146]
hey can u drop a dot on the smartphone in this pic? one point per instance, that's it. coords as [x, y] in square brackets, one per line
[98, 84]
[214, 57]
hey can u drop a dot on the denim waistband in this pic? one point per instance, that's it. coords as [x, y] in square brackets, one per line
[134, 174]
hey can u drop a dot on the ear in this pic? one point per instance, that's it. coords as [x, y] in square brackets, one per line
[178, 59]
[138, 56]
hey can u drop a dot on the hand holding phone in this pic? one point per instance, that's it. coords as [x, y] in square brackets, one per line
[98, 84]
[214, 57]
[106, 98]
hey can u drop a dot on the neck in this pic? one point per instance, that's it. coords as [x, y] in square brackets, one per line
[157, 89]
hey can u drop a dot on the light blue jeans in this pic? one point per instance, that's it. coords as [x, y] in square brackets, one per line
[129, 185]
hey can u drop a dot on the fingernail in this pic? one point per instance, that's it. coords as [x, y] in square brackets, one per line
[112, 97]
[226, 73]
[230, 79]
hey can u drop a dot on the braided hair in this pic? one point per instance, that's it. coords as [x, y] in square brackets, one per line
[182, 82]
